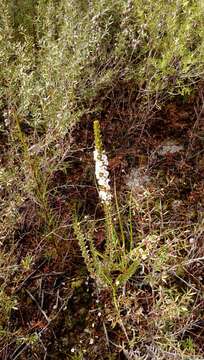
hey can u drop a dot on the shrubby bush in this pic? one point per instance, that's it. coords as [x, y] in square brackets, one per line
[56, 56]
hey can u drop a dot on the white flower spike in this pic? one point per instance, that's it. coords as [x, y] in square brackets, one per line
[102, 176]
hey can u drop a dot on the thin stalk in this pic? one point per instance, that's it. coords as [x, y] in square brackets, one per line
[119, 219]
[130, 222]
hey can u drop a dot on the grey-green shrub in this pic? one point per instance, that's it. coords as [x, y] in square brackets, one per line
[57, 56]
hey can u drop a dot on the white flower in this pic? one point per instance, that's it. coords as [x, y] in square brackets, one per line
[102, 176]
[91, 341]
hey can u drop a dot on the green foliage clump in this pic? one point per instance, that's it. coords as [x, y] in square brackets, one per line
[56, 57]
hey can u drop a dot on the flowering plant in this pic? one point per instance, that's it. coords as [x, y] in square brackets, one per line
[116, 257]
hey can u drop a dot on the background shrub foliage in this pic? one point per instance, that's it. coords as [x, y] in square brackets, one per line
[56, 56]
